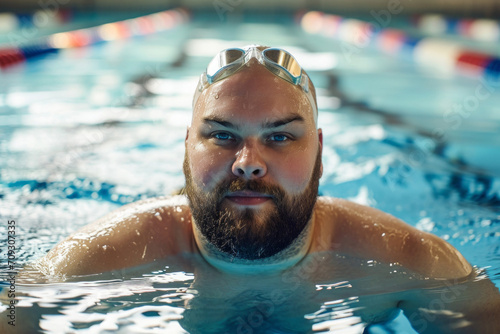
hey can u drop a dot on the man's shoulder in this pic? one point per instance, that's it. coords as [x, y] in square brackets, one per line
[347, 219]
[357, 228]
[336, 206]
[332, 201]
[156, 214]
[165, 208]
[136, 233]
[367, 232]
[339, 207]
[176, 202]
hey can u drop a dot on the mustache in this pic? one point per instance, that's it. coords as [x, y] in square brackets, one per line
[251, 185]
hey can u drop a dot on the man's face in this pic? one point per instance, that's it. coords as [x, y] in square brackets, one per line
[252, 163]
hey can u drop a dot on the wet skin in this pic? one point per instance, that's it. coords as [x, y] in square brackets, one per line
[254, 125]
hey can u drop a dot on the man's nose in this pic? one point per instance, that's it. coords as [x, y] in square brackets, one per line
[249, 163]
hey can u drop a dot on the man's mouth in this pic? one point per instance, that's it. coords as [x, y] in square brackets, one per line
[247, 197]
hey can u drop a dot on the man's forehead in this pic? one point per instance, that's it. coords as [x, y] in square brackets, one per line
[238, 113]
[268, 123]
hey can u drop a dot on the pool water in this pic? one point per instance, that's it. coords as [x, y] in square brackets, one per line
[87, 130]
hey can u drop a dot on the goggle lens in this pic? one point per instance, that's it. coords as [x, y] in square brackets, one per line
[224, 59]
[283, 59]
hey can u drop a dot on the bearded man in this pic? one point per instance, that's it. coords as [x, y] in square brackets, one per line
[251, 205]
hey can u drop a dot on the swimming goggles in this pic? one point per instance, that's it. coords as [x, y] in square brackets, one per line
[280, 62]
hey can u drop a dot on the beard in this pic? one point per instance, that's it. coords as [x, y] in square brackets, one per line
[251, 234]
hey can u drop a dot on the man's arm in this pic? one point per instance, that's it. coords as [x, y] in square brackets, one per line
[468, 307]
[370, 233]
[137, 233]
[463, 302]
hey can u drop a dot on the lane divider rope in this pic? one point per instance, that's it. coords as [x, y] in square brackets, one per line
[139, 26]
[441, 54]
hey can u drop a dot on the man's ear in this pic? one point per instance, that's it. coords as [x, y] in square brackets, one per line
[320, 141]
[187, 134]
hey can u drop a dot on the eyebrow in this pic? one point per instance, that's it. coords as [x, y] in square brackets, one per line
[266, 125]
[220, 121]
[281, 122]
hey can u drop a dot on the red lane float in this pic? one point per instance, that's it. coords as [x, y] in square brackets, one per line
[10, 57]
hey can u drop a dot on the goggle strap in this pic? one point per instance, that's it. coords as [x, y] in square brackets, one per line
[203, 82]
[304, 82]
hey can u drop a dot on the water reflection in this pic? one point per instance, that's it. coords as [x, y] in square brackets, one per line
[329, 292]
[326, 292]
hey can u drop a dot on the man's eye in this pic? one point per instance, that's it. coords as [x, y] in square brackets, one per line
[278, 138]
[222, 136]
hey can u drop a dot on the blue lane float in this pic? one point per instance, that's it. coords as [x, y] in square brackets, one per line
[487, 30]
[47, 17]
[38, 49]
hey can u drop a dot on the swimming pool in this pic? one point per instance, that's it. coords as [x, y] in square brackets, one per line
[87, 130]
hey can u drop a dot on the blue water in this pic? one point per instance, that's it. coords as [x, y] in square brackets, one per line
[85, 131]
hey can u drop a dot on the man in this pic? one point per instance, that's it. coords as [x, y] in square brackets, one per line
[252, 168]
